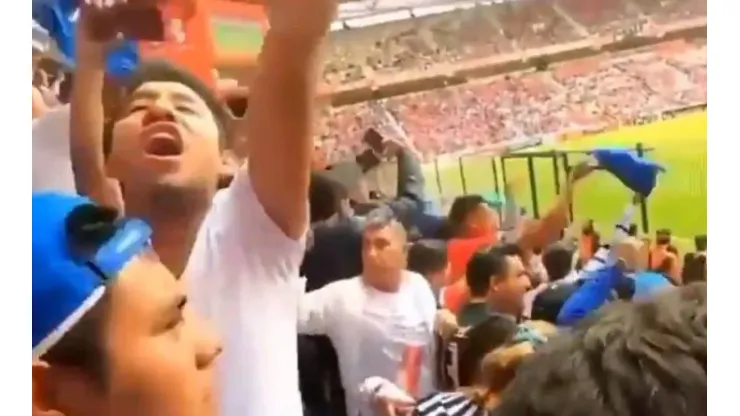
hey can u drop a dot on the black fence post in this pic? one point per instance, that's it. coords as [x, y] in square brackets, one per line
[556, 171]
[462, 175]
[494, 169]
[533, 187]
[503, 171]
[439, 180]
[643, 203]
[566, 169]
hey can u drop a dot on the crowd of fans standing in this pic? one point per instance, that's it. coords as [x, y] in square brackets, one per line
[159, 288]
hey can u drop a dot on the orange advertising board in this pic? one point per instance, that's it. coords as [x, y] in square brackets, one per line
[210, 34]
[188, 38]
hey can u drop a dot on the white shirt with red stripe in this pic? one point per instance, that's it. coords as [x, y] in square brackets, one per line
[375, 333]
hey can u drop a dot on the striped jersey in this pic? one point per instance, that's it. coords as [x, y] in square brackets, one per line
[447, 404]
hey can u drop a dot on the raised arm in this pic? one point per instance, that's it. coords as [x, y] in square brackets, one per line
[278, 125]
[548, 229]
[315, 310]
[87, 120]
[409, 199]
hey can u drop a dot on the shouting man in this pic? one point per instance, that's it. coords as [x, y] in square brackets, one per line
[238, 252]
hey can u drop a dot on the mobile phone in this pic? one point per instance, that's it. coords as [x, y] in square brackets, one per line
[142, 23]
[367, 160]
[374, 140]
[134, 21]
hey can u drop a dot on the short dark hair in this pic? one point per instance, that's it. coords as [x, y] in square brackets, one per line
[700, 242]
[630, 358]
[88, 227]
[427, 256]
[488, 264]
[478, 341]
[461, 208]
[325, 196]
[663, 236]
[558, 261]
[694, 268]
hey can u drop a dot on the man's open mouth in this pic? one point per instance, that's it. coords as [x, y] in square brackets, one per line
[163, 140]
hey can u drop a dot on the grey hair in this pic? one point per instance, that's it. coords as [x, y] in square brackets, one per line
[382, 217]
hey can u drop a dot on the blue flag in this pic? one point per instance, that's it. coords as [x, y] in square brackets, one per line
[59, 18]
[635, 172]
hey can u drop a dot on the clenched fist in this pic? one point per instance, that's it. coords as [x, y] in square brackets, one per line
[307, 19]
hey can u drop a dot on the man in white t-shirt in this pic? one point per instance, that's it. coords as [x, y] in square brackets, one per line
[380, 323]
[239, 252]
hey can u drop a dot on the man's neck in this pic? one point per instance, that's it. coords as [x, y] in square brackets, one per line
[175, 219]
[495, 307]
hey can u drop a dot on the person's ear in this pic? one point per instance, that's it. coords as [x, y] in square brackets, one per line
[493, 286]
[43, 391]
[229, 166]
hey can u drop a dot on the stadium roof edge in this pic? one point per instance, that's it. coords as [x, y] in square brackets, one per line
[364, 13]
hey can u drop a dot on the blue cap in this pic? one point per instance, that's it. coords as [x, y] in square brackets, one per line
[66, 286]
[635, 172]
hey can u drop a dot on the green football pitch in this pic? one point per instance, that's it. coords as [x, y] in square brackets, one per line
[679, 202]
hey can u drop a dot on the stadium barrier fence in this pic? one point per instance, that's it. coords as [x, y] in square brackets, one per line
[560, 160]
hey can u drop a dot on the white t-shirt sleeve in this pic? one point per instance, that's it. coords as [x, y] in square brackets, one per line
[249, 235]
[314, 310]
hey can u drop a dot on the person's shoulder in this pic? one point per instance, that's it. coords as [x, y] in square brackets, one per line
[237, 210]
[238, 237]
[417, 282]
[342, 285]
[415, 278]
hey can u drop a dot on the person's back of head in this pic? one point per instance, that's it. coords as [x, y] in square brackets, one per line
[470, 215]
[429, 259]
[325, 197]
[631, 358]
[558, 261]
[694, 268]
[335, 252]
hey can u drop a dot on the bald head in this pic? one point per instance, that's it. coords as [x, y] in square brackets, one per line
[632, 252]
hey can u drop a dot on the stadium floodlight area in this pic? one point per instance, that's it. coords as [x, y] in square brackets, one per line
[366, 13]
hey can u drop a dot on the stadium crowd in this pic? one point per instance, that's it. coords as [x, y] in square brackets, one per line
[489, 29]
[168, 282]
[590, 94]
